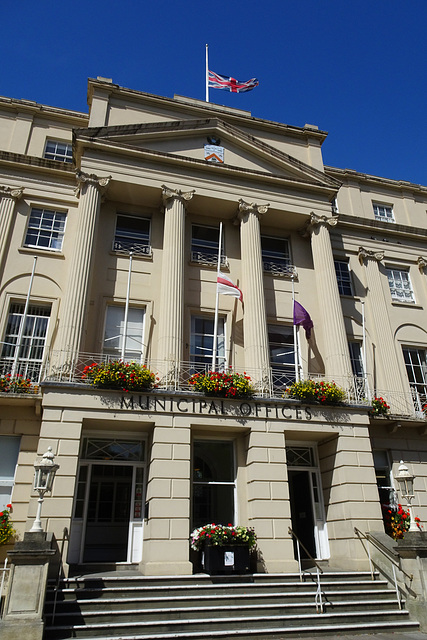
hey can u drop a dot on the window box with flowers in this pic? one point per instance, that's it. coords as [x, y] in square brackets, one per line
[379, 407]
[225, 549]
[222, 384]
[6, 527]
[123, 376]
[317, 392]
[16, 384]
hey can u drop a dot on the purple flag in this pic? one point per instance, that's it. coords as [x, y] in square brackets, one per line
[301, 316]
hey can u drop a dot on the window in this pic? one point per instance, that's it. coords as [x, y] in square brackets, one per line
[132, 234]
[201, 342]
[9, 447]
[204, 245]
[45, 229]
[386, 491]
[383, 212]
[282, 354]
[400, 285]
[343, 277]
[416, 370]
[275, 255]
[32, 343]
[55, 150]
[115, 331]
[355, 350]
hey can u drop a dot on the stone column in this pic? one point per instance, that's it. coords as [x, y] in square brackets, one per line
[170, 339]
[257, 354]
[336, 355]
[378, 324]
[8, 198]
[73, 313]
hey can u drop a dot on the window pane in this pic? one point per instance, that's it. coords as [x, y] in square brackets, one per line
[282, 354]
[204, 245]
[400, 285]
[343, 277]
[115, 329]
[201, 341]
[132, 234]
[33, 339]
[45, 229]
[275, 254]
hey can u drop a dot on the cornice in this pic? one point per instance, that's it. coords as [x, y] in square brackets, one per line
[350, 174]
[387, 228]
[35, 107]
[32, 161]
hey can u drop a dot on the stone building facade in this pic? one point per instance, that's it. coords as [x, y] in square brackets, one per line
[124, 204]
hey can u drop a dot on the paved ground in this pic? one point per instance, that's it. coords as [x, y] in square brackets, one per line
[408, 635]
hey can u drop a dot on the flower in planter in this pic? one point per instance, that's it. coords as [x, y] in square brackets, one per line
[16, 384]
[379, 407]
[315, 391]
[398, 522]
[126, 376]
[6, 528]
[220, 535]
[222, 384]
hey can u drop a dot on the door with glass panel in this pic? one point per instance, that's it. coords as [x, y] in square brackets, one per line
[214, 483]
[108, 512]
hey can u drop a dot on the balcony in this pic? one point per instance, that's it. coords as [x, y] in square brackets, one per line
[269, 383]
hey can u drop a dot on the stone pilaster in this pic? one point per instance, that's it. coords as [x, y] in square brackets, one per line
[257, 355]
[336, 354]
[386, 362]
[8, 198]
[170, 339]
[90, 188]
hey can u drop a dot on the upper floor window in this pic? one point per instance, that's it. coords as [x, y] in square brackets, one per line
[400, 285]
[282, 354]
[383, 212]
[9, 447]
[416, 370]
[342, 271]
[204, 245]
[25, 344]
[355, 349]
[45, 229]
[115, 332]
[275, 255]
[56, 150]
[132, 234]
[202, 339]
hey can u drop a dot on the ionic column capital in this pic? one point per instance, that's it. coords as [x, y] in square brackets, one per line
[316, 221]
[251, 207]
[366, 254]
[9, 192]
[90, 178]
[422, 263]
[182, 196]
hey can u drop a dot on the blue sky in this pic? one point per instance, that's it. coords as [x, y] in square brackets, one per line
[356, 69]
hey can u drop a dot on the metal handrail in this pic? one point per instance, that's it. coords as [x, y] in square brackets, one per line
[394, 564]
[65, 537]
[318, 599]
[3, 577]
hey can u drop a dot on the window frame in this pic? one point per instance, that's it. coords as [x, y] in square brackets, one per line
[378, 206]
[205, 362]
[33, 229]
[418, 382]
[132, 243]
[345, 284]
[280, 265]
[115, 352]
[204, 255]
[390, 272]
[282, 373]
[56, 155]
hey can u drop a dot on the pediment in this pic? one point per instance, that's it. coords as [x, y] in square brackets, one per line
[187, 140]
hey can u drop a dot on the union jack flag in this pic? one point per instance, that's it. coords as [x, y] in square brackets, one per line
[216, 81]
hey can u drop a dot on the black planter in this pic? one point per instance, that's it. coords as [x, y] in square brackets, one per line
[227, 559]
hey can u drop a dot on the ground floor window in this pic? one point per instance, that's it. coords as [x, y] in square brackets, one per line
[214, 483]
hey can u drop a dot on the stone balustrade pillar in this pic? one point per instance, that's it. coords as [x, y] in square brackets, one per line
[90, 188]
[336, 355]
[170, 339]
[257, 355]
[386, 362]
[8, 199]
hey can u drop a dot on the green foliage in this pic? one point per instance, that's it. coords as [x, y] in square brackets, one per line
[222, 385]
[220, 535]
[379, 407]
[315, 391]
[126, 376]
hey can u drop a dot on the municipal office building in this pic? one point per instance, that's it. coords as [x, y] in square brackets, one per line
[109, 238]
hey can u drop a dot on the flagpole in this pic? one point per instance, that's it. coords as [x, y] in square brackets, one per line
[23, 321]
[296, 354]
[365, 374]
[218, 271]
[207, 74]
[125, 329]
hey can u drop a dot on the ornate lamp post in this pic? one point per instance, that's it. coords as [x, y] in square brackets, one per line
[406, 481]
[44, 474]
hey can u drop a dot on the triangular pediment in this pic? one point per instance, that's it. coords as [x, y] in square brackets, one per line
[188, 139]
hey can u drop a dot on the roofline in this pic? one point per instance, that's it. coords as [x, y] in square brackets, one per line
[31, 105]
[343, 174]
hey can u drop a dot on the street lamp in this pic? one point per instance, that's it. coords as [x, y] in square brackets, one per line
[44, 474]
[406, 481]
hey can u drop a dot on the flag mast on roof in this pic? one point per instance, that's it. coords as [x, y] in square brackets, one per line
[217, 81]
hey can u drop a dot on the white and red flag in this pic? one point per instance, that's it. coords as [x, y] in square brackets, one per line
[227, 287]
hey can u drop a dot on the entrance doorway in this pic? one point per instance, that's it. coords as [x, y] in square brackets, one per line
[302, 510]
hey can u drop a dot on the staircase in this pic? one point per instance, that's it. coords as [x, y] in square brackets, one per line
[259, 606]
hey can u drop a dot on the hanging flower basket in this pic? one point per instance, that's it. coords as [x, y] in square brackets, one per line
[379, 407]
[124, 376]
[222, 384]
[317, 392]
